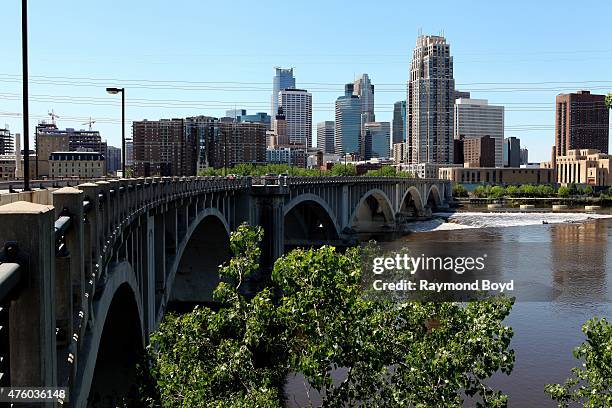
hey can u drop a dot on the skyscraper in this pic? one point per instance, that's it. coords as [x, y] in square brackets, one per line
[475, 118]
[113, 159]
[6, 142]
[479, 151]
[348, 122]
[380, 134]
[297, 106]
[399, 122]
[326, 136]
[280, 126]
[512, 152]
[431, 97]
[283, 79]
[582, 122]
[363, 88]
[524, 155]
[164, 147]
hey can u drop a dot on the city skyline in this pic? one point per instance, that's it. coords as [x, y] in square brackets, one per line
[525, 68]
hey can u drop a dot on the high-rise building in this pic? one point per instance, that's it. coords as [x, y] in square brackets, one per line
[326, 138]
[226, 143]
[297, 107]
[379, 134]
[462, 94]
[582, 122]
[399, 152]
[479, 151]
[458, 156]
[162, 148]
[363, 88]
[240, 115]
[6, 142]
[399, 122]
[524, 156]
[113, 159]
[283, 79]
[280, 128]
[475, 118]
[259, 117]
[129, 152]
[430, 99]
[348, 122]
[235, 113]
[512, 152]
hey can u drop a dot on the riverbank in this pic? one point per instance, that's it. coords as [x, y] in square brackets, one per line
[537, 201]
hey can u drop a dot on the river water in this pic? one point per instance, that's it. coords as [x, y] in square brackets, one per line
[562, 266]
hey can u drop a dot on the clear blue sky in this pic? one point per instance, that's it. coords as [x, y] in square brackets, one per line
[507, 52]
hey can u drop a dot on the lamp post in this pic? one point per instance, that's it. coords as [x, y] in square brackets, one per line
[115, 91]
[24, 80]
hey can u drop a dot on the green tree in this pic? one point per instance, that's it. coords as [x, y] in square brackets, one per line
[497, 192]
[459, 190]
[387, 171]
[573, 189]
[342, 169]
[315, 318]
[512, 191]
[545, 190]
[609, 101]
[591, 384]
[588, 190]
[482, 191]
[563, 191]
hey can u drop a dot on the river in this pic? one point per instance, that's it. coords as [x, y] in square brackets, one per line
[562, 266]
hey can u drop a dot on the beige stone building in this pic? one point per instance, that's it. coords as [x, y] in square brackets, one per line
[501, 176]
[398, 152]
[7, 167]
[47, 144]
[8, 164]
[76, 164]
[584, 166]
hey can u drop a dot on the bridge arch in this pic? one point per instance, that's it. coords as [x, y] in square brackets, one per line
[372, 209]
[116, 341]
[434, 199]
[308, 219]
[193, 275]
[412, 201]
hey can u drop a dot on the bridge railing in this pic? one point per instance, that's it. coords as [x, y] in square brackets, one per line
[54, 266]
[292, 180]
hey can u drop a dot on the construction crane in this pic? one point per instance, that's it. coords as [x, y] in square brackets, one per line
[89, 122]
[53, 116]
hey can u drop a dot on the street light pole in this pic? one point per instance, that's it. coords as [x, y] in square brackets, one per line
[123, 155]
[115, 91]
[24, 80]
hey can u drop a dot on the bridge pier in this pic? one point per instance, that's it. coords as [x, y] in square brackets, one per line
[33, 361]
[269, 214]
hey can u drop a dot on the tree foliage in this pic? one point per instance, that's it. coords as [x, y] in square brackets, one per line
[343, 169]
[388, 171]
[315, 319]
[247, 169]
[459, 190]
[591, 384]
